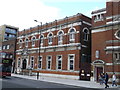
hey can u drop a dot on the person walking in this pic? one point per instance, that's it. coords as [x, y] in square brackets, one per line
[114, 80]
[106, 80]
[101, 78]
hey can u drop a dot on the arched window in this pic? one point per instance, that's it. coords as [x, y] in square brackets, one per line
[20, 43]
[41, 39]
[26, 42]
[33, 40]
[60, 37]
[117, 34]
[72, 34]
[50, 36]
[86, 33]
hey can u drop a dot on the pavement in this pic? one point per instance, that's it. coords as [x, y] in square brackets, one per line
[80, 83]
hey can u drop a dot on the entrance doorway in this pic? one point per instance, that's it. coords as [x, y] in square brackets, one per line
[98, 67]
[99, 70]
[24, 64]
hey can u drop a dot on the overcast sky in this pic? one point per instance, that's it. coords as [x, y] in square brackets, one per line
[22, 13]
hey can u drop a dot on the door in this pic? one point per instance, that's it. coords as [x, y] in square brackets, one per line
[24, 64]
[99, 70]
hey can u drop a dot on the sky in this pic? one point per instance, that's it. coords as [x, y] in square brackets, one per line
[22, 13]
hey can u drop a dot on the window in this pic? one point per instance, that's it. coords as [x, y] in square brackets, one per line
[19, 62]
[59, 62]
[3, 55]
[41, 40]
[11, 36]
[4, 47]
[117, 34]
[85, 34]
[6, 36]
[33, 41]
[98, 17]
[95, 17]
[32, 62]
[49, 59]
[60, 37]
[10, 30]
[7, 55]
[72, 34]
[50, 36]
[11, 56]
[71, 62]
[97, 54]
[20, 43]
[40, 62]
[26, 42]
[117, 56]
[8, 46]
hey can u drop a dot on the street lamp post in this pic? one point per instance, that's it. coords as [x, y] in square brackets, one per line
[39, 42]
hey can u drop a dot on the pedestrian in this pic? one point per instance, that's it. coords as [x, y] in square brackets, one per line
[114, 80]
[37, 75]
[101, 78]
[106, 80]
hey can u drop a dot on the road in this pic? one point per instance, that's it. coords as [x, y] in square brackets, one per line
[20, 83]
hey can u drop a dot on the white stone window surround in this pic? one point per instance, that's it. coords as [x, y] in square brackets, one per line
[60, 35]
[32, 62]
[117, 34]
[40, 62]
[20, 43]
[8, 46]
[50, 38]
[4, 47]
[33, 39]
[41, 39]
[71, 62]
[86, 34]
[117, 56]
[26, 41]
[49, 62]
[72, 32]
[57, 62]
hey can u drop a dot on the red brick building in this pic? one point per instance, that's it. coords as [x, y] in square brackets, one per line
[106, 40]
[57, 48]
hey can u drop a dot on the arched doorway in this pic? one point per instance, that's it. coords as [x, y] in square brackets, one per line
[24, 64]
[98, 67]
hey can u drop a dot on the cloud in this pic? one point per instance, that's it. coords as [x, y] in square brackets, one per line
[21, 13]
